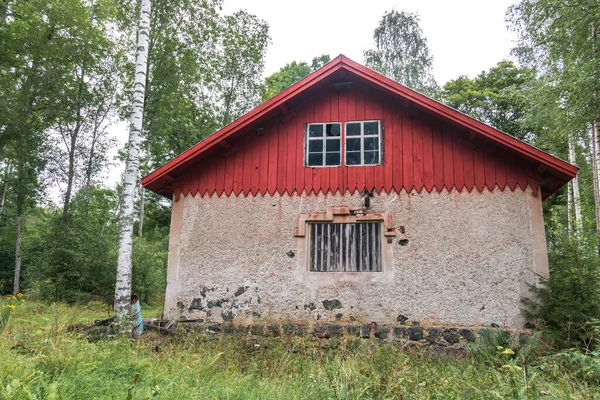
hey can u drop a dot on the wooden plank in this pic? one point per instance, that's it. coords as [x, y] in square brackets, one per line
[407, 156]
[396, 156]
[360, 107]
[438, 158]
[220, 175]
[273, 158]
[193, 182]
[238, 176]
[511, 176]
[448, 160]
[265, 150]
[479, 166]
[211, 176]
[387, 148]
[490, 172]
[458, 162]
[428, 179]
[298, 134]
[290, 174]
[500, 167]
[229, 173]
[247, 171]
[314, 113]
[417, 153]
[468, 168]
[202, 178]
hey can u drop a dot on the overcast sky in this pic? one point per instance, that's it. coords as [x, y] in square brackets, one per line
[465, 37]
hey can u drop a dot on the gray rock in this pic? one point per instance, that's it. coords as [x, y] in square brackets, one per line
[450, 336]
[332, 304]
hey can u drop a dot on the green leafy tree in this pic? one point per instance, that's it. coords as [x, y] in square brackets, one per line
[290, 74]
[401, 52]
[497, 97]
[240, 63]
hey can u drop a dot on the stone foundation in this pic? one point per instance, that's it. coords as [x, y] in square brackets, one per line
[439, 341]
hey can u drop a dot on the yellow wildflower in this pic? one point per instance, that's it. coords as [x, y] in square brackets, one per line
[10, 305]
[13, 298]
[19, 295]
[508, 351]
[500, 347]
[22, 301]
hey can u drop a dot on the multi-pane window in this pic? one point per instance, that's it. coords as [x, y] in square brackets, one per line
[345, 247]
[324, 144]
[363, 143]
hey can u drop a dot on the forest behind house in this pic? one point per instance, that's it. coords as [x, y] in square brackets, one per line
[66, 73]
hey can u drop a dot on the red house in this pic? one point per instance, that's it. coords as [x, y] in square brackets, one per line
[349, 197]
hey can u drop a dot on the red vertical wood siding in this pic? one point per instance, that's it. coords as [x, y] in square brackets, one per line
[418, 153]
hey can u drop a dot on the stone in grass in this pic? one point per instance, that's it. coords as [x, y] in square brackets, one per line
[415, 333]
[257, 330]
[288, 329]
[399, 332]
[434, 335]
[273, 330]
[352, 330]
[382, 333]
[335, 331]
[320, 331]
[227, 327]
[450, 336]
[468, 334]
[365, 331]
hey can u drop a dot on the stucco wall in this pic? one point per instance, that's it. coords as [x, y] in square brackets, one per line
[467, 260]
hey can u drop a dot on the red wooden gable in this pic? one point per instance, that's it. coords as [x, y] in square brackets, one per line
[426, 145]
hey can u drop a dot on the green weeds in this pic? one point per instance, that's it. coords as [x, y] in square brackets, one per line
[42, 358]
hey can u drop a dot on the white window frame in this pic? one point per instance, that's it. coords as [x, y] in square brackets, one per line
[324, 140]
[362, 136]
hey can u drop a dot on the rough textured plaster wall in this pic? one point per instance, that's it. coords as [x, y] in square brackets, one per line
[466, 261]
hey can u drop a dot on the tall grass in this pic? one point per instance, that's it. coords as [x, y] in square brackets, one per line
[41, 359]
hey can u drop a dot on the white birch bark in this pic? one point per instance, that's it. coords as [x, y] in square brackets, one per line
[596, 173]
[575, 185]
[132, 165]
[570, 207]
[17, 277]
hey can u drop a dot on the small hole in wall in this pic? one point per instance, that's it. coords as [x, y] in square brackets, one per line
[291, 254]
[403, 242]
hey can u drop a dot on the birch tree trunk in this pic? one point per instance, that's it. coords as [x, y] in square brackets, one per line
[570, 207]
[17, 277]
[596, 182]
[575, 185]
[4, 188]
[132, 165]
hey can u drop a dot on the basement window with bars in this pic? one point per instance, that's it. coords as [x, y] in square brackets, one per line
[345, 247]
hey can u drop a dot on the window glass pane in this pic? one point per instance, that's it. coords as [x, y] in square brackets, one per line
[352, 144]
[353, 129]
[315, 130]
[371, 128]
[371, 157]
[371, 143]
[332, 159]
[315, 146]
[353, 158]
[333, 129]
[315, 159]
[332, 145]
